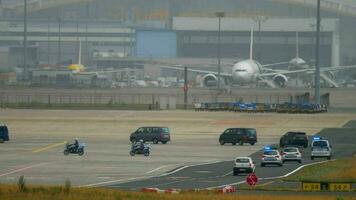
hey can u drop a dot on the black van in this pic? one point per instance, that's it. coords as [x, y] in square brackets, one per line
[4, 133]
[238, 135]
[151, 134]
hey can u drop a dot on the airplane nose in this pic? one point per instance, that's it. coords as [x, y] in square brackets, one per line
[242, 77]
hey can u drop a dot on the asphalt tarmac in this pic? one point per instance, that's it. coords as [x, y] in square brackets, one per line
[220, 173]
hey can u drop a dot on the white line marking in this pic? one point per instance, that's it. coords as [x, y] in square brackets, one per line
[113, 181]
[144, 177]
[25, 168]
[227, 174]
[158, 168]
[162, 184]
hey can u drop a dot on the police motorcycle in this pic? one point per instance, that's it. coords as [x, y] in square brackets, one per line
[75, 148]
[140, 148]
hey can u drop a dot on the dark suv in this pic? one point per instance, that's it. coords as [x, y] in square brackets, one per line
[4, 133]
[154, 134]
[294, 138]
[238, 135]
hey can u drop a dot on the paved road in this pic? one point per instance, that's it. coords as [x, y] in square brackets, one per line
[218, 174]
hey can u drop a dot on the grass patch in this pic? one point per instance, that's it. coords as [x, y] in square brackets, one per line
[341, 170]
[11, 192]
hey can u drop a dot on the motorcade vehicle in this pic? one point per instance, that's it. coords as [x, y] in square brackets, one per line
[238, 136]
[271, 156]
[243, 165]
[291, 154]
[140, 148]
[72, 149]
[320, 147]
[294, 138]
[151, 134]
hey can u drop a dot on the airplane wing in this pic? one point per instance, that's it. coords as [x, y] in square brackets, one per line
[274, 64]
[103, 72]
[269, 74]
[272, 72]
[337, 68]
[197, 71]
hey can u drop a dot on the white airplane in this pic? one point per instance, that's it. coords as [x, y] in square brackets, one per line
[251, 71]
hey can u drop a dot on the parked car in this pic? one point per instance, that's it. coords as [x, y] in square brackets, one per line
[238, 136]
[151, 134]
[291, 154]
[244, 165]
[4, 133]
[294, 138]
[271, 157]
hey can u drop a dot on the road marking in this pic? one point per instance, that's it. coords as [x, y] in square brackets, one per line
[25, 168]
[113, 181]
[158, 168]
[163, 184]
[227, 174]
[186, 166]
[144, 177]
[203, 172]
[48, 147]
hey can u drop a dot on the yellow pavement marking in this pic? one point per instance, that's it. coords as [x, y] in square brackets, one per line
[49, 147]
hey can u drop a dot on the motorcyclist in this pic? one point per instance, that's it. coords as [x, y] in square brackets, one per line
[139, 145]
[142, 145]
[76, 143]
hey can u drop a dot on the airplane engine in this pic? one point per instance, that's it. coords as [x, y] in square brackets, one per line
[210, 80]
[280, 79]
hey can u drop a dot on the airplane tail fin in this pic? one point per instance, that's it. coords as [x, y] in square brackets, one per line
[251, 44]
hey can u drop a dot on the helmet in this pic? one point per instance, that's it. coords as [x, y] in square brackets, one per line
[141, 140]
[76, 139]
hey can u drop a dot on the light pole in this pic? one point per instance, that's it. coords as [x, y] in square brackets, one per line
[317, 56]
[59, 35]
[25, 36]
[259, 19]
[219, 15]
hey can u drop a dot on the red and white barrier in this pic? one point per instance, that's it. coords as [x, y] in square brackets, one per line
[172, 191]
[151, 190]
[227, 189]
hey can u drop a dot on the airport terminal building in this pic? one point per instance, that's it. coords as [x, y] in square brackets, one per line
[175, 29]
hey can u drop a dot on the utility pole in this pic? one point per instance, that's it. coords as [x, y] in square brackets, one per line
[185, 87]
[59, 35]
[259, 19]
[25, 36]
[317, 56]
[219, 15]
[48, 40]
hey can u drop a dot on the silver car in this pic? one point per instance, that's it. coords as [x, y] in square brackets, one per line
[291, 154]
[272, 157]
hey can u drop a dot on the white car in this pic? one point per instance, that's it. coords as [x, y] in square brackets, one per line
[243, 165]
[271, 157]
[320, 148]
[291, 154]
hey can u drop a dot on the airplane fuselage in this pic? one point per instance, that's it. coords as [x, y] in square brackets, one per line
[246, 71]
